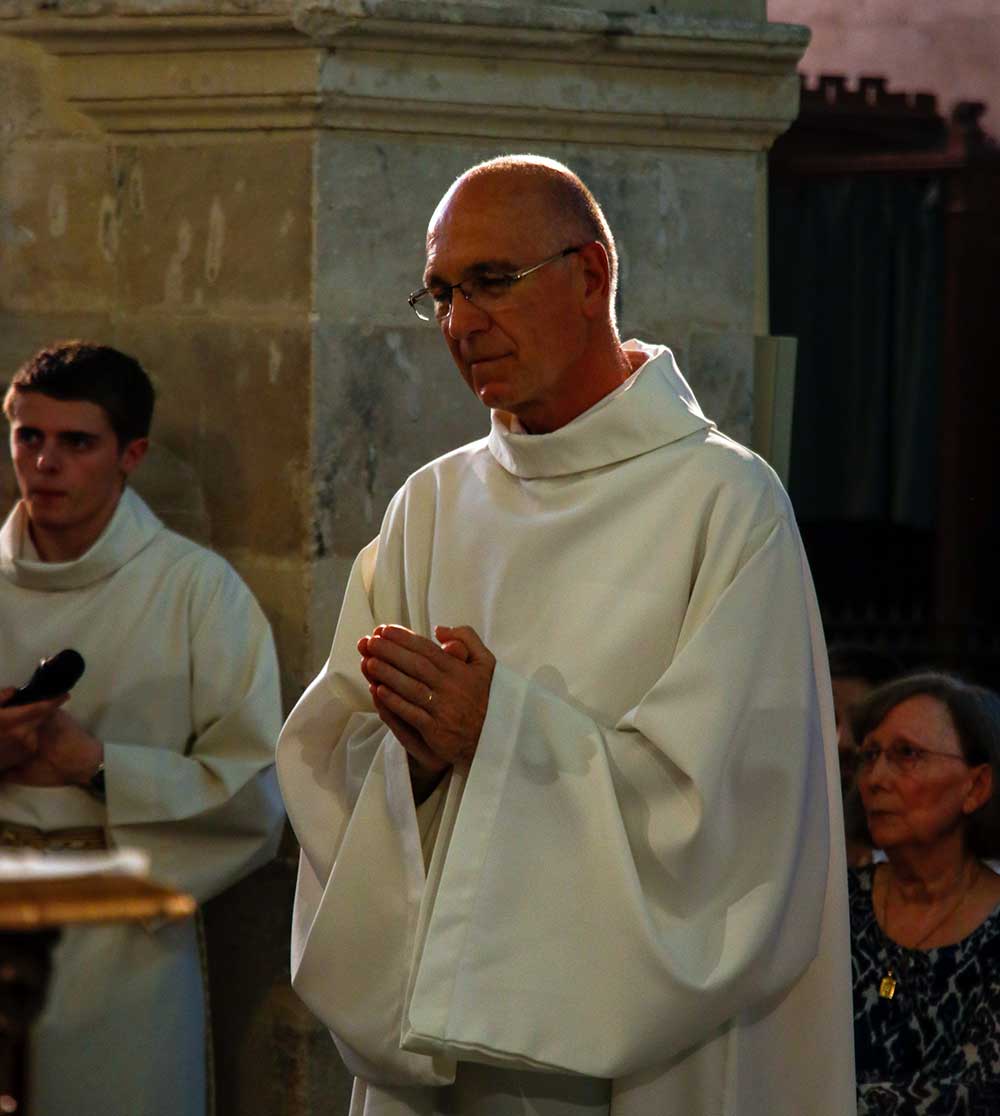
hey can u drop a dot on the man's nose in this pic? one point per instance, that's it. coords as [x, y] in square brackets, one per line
[465, 316]
[49, 458]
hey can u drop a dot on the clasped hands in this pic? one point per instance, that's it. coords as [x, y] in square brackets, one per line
[432, 696]
[42, 745]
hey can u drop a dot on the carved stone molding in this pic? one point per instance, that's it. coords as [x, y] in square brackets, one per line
[152, 73]
[531, 71]
[512, 70]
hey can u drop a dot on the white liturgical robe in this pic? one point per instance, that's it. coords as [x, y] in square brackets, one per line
[181, 685]
[635, 900]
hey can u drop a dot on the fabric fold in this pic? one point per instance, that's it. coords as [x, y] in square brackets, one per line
[639, 878]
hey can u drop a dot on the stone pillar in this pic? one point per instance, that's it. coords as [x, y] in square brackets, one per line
[238, 194]
[157, 192]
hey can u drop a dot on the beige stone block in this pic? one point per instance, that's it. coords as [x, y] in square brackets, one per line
[721, 367]
[730, 9]
[215, 227]
[21, 91]
[378, 195]
[60, 237]
[387, 401]
[233, 401]
[555, 73]
[32, 91]
[329, 576]
[281, 587]
[684, 224]
[22, 335]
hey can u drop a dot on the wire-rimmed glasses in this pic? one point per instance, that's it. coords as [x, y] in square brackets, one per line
[488, 291]
[899, 756]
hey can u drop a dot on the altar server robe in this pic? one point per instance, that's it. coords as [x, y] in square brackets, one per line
[634, 901]
[181, 685]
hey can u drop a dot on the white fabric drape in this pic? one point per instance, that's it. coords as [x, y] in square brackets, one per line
[181, 684]
[641, 878]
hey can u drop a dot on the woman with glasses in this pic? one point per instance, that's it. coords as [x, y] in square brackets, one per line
[925, 924]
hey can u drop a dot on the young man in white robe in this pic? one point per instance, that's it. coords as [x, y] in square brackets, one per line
[567, 787]
[165, 744]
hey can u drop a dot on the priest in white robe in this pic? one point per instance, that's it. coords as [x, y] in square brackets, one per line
[570, 821]
[165, 744]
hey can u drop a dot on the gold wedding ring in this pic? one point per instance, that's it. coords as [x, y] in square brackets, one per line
[430, 696]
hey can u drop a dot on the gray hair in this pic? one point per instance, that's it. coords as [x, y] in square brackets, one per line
[975, 712]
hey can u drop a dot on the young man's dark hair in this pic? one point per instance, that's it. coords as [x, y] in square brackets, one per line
[81, 370]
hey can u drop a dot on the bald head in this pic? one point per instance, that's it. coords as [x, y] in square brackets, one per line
[544, 196]
[545, 349]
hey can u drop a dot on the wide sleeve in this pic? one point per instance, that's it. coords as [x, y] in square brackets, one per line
[600, 896]
[345, 781]
[616, 893]
[210, 813]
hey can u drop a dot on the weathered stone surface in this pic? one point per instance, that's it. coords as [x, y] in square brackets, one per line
[740, 9]
[23, 9]
[215, 229]
[703, 19]
[185, 179]
[283, 587]
[61, 239]
[553, 74]
[722, 366]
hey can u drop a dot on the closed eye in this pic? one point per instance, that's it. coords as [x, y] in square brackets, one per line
[493, 284]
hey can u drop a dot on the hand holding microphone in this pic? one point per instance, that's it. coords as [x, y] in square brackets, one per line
[24, 709]
[52, 678]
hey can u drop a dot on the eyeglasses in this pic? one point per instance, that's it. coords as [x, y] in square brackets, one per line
[899, 756]
[487, 292]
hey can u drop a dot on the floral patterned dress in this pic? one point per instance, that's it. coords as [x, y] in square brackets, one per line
[934, 1048]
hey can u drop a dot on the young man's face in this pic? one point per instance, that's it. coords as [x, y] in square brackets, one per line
[70, 468]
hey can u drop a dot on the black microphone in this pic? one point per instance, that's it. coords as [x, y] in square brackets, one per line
[52, 677]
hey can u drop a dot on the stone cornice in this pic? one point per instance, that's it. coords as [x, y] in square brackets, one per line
[525, 30]
[135, 71]
[529, 72]
[514, 71]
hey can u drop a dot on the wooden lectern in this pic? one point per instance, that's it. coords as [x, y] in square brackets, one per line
[32, 912]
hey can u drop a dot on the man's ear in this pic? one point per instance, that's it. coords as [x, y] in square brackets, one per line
[132, 454]
[596, 272]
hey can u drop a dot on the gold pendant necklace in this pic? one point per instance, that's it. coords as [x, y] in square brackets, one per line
[887, 986]
[888, 983]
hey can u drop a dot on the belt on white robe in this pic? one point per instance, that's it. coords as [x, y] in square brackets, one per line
[75, 839]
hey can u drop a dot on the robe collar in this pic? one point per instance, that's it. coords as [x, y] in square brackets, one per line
[130, 530]
[656, 407]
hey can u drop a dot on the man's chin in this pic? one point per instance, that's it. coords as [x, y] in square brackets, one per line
[47, 510]
[496, 397]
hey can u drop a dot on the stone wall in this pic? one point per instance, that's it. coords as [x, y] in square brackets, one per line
[190, 247]
[238, 195]
[192, 251]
